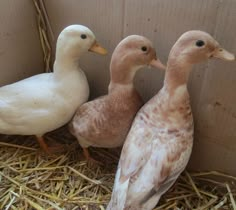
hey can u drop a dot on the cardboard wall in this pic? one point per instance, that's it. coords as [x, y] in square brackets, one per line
[106, 24]
[212, 85]
[20, 50]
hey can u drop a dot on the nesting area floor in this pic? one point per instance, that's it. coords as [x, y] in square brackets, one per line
[30, 179]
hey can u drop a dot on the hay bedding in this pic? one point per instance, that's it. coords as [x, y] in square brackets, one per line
[31, 180]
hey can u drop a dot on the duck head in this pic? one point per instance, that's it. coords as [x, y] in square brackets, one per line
[198, 46]
[75, 40]
[131, 54]
[191, 48]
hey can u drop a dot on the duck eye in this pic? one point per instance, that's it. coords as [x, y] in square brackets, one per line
[200, 43]
[83, 36]
[144, 49]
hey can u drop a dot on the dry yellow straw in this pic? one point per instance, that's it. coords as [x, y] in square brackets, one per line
[29, 180]
[17, 146]
[42, 28]
[193, 185]
[231, 197]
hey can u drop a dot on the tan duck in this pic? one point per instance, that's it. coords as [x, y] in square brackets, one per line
[105, 121]
[159, 143]
[44, 102]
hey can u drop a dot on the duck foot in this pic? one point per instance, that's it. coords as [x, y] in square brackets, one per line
[55, 149]
[89, 159]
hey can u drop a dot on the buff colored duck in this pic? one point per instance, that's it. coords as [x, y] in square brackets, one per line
[44, 102]
[159, 143]
[105, 121]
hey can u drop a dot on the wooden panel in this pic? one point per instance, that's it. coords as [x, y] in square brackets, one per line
[216, 114]
[105, 19]
[20, 50]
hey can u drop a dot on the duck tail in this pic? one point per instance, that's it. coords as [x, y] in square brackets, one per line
[119, 193]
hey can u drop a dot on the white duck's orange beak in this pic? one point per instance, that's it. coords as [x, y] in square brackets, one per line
[97, 48]
[223, 54]
[156, 63]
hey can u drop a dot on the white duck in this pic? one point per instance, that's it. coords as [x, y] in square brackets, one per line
[159, 144]
[44, 102]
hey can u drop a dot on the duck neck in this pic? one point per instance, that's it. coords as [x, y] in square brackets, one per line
[65, 62]
[122, 75]
[177, 74]
[67, 57]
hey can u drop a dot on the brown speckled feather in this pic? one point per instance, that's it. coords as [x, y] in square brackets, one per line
[159, 143]
[105, 122]
[156, 150]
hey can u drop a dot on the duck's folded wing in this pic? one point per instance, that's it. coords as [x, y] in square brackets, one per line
[136, 151]
[147, 161]
[24, 98]
[134, 155]
[150, 200]
[101, 122]
[167, 162]
[91, 119]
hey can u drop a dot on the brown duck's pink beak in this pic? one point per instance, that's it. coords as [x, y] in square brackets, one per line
[223, 54]
[156, 63]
